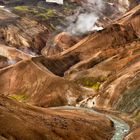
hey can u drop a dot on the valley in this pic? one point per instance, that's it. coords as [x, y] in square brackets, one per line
[70, 71]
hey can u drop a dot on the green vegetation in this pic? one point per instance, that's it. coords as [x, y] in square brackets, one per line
[50, 12]
[46, 13]
[42, 11]
[52, 16]
[21, 8]
[36, 11]
[18, 97]
[91, 82]
[42, 15]
[96, 86]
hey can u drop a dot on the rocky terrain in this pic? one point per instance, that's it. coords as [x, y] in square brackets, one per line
[60, 79]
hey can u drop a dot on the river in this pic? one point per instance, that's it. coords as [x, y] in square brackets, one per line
[121, 127]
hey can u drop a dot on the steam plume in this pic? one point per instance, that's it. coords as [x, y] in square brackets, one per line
[84, 18]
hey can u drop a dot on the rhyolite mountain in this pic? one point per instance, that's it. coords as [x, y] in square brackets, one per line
[49, 19]
[60, 86]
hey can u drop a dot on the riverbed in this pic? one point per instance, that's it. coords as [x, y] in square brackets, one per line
[121, 127]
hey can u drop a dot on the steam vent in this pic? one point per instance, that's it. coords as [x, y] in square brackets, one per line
[69, 69]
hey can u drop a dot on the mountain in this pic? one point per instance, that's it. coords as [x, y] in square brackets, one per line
[70, 74]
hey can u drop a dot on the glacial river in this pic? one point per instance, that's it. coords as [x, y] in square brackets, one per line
[121, 127]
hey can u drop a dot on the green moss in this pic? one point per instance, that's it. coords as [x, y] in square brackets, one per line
[96, 86]
[18, 97]
[42, 15]
[91, 82]
[50, 12]
[21, 8]
[45, 14]
[51, 16]
[34, 11]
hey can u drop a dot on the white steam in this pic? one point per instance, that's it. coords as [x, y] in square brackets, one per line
[84, 23]
[84, 18]
[124, 5]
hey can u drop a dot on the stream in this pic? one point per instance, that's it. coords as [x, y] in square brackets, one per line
[121, 127]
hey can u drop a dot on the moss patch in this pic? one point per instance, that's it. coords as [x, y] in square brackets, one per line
[91, 82]
[96, 86]
[19, 97]
[46, 13]
[50, 16]
[50, 12]
[21, 8]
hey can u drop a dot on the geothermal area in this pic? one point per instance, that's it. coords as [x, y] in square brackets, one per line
[69, 69]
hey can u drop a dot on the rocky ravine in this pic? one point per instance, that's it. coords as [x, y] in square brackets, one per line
[100, 72]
